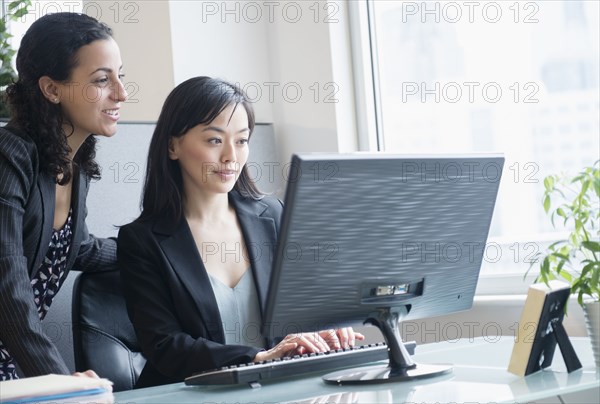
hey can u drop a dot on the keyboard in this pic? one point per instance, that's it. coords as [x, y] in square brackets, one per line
[294, 366]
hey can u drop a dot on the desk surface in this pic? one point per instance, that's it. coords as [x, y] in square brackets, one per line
[479, 375]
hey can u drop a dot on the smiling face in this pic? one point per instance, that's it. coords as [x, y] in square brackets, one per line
[211, 156]
[91, 98]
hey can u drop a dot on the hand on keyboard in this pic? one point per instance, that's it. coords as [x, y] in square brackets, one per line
[295, 366]
[311, 342]
[341, 337]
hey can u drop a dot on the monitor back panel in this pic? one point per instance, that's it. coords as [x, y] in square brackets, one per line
[354, 223]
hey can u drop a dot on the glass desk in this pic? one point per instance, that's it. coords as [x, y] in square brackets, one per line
[479, 376]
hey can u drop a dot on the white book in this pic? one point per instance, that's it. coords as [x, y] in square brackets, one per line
[54, 387]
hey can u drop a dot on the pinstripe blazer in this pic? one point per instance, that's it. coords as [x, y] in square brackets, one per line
[27, 202]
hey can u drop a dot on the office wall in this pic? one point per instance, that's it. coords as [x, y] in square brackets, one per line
[217, 39]
[143, 32]
[292, 58]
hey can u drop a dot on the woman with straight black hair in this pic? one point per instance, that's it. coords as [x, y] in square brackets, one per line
[196, 264]
[68, 89]
[197, 101]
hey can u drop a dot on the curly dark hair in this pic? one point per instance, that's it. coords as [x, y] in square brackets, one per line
[49, 48]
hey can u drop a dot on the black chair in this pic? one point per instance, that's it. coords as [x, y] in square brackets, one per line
[103, 336]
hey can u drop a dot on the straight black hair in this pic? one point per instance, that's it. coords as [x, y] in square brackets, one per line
[196, 101]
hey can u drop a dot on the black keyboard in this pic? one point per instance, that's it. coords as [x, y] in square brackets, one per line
[295, 366]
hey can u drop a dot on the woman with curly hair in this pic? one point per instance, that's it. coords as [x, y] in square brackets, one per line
[68, 90]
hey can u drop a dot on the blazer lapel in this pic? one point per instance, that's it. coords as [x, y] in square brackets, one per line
[182, 253]
[260, 235]
[78, 193]
[179, 247]
[47, 188]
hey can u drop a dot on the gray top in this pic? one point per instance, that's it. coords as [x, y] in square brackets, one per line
[240, 312]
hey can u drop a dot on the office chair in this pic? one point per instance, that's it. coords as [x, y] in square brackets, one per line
[103, 336]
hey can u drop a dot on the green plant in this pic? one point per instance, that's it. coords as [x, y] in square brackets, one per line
[15, 10]
[576, 200]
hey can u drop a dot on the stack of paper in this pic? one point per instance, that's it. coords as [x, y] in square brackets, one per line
[56, 387]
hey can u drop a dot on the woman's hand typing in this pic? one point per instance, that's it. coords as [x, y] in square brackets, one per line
[321, 341]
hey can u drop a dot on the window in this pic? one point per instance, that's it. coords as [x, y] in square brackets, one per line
[518, 77]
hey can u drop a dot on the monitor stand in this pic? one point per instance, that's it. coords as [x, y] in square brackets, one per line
[400, 368]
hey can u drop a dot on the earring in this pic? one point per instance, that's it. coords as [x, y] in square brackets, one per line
[56, 100]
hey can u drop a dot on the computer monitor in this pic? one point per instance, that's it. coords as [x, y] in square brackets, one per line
[379, 238]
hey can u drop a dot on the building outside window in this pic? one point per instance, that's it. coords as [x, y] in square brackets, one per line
[518, 77]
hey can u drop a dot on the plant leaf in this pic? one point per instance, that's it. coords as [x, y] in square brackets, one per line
[546, 203]
[549, 183]
[20, 13]
[595, 279]
[593, 246]
[566, 276]
[551, 246]
[587, 268]
[563, 257]
[577, 178]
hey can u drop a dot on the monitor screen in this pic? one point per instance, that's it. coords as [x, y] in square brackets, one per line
[379, 237]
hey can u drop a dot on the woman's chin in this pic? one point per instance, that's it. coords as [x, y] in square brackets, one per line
[107, 133]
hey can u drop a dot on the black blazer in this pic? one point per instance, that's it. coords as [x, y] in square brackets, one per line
[27, 201]
[169, 296]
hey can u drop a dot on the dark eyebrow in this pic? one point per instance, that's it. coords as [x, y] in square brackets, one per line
[217, 129]
[105, 69]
